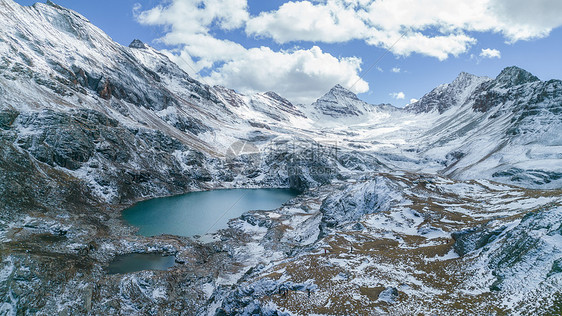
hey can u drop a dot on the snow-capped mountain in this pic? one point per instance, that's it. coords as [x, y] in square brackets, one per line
[340, 102]
[505, 129]
[447, 96]
[89, 127]
[273, 106]
[72, 98]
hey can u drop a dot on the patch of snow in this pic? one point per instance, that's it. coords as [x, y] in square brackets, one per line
[401, 221]
[448, 256]
[208, 289]
[159, 293]
[388, 295]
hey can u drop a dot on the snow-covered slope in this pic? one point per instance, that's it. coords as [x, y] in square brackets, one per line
[74, 99]
[398, 243]
[503, 129]
[447, 96]
[88, 127]
[59, 60]
[506, 129]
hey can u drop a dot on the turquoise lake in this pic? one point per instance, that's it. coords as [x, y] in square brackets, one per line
[134, 262]
[198, 213]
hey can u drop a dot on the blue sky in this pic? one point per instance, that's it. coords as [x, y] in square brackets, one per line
[257, 45]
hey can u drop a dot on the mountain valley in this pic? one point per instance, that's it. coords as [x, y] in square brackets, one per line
[451, 205]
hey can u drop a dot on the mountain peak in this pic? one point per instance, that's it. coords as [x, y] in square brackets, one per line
[276, 96]
[136, 43]
[68, 12]
[339, 87]
[339, 102]
[464, 76]
[513, 76]
[449, 95]
[338, 92]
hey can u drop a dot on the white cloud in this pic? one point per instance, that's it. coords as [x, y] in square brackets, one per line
[440, 47]
[436, 28]
[188, 23]
[300, 75]
[395, 70]
[523, 19]
[333, 21]
[490, 53]
[398, 95]
[137, 7]
[413, 101]
[196, 16]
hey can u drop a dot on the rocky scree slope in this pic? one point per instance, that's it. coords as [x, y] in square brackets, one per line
[399, 243]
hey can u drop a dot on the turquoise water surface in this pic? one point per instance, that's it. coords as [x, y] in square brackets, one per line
[197, 213]
[133, 262]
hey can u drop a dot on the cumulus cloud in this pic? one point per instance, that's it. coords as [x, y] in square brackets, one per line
[301, 75]
[490, 53]
[436, 28]
[188, 23]
[413, 101]
[523, 19]
[398, 95]
[196, 16]
[395, 70]
[334, 21]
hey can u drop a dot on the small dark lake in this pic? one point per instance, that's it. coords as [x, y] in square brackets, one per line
[134, 262]
[197, 213]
